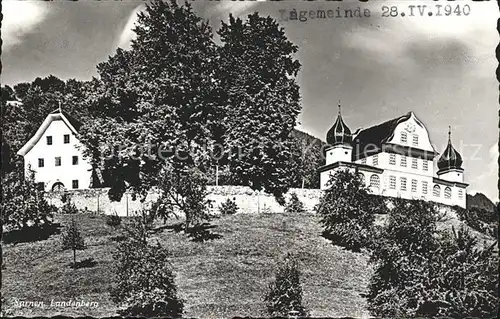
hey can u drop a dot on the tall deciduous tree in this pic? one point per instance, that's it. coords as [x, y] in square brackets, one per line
[156, 102]
[257, 72]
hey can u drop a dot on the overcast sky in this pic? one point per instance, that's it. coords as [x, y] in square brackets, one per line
[441, 68]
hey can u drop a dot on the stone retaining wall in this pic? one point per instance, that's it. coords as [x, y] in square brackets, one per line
[248, 201]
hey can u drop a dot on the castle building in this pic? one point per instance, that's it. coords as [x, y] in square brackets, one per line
[54, 153]
[396, 159]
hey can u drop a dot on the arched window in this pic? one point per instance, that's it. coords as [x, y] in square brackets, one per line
[404, 137]
[447, 193]
[58, 187]
[374, 181]
[436, 191]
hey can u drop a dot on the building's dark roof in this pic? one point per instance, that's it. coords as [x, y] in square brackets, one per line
[375, 136]
[74, 122]
[339, 133]
[450, 158]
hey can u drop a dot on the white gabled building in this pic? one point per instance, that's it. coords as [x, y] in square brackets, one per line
[55, 154]
[396, 159]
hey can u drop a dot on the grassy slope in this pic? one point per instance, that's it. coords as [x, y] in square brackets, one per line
[224, 277]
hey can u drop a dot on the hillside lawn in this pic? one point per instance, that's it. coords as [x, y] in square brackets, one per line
[222, 277]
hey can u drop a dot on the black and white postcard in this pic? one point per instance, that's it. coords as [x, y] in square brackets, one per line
[221, 159]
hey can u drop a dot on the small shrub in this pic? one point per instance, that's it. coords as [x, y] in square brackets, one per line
[69, 208]
[113, 220]
[284, 295]
[144, 279]
[229, 207]
[73, 239]
[294, 205]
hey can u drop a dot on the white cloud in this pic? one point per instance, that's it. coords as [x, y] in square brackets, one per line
[237, 8]
[127, 34]
[19, 19]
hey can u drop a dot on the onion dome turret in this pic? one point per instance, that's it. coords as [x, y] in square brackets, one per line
[339, 133]
[450, 158]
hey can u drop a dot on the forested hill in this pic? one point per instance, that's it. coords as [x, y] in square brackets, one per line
[311, 149]
[480, 200]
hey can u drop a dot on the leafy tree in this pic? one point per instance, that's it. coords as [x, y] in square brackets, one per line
[22, 203]
[294, 205]
[348, 211]
[183, 190]
[257, 76]
[284, 295]
[73, 239]
[156, 103]
[144, 279]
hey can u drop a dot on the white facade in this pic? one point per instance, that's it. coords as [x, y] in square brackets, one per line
[399, 164]
[54, 153]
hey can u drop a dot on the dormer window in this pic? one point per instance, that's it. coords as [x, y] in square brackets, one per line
[49, 140]
[66, 138]
[404, 137]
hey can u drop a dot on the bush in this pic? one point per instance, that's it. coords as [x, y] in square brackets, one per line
[113, 220]
[229, 207]
[69, 208]
[284, 295]
[463, 279]
[144, 279]
[420, 271]
[73, 239]
[22, 204]
[348, 211]
[294, 205]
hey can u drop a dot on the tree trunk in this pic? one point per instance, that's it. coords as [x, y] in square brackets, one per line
[303, 182]
[186, 226]
[74, 258]
[217, 175]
